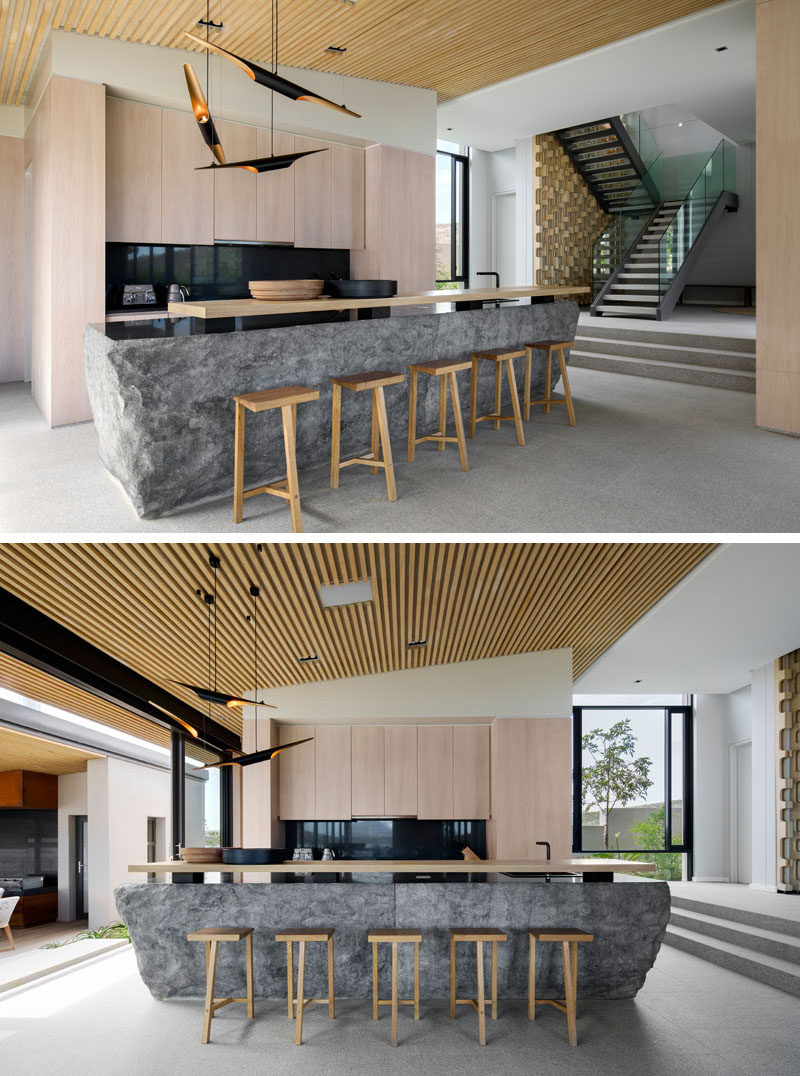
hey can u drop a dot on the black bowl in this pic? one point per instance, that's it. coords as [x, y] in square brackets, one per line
[253, 855]
[361, 289]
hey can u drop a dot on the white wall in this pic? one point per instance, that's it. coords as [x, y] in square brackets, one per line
[491, 173]
[72, 801]
[12, 121]
[522, 685]
[765, 832]
[711, 828]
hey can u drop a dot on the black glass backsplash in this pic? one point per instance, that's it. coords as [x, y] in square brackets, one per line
[28, 842]
[221, 271]
[389, 838]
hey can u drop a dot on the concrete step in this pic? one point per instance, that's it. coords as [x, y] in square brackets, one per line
[666, 336]
[688, 373]
[642, 348]
[622, 311]
[767, 942]
[766, 969]
[741, 915]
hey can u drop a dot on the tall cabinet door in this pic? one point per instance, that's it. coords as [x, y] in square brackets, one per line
[187, 196]
[275, 192]
[435, 771]
[347, 197]
[133, 172]
[471, 771]
[297, 774]
[368, 772]
[312, 194]
[400, 770]
[234, 188]
[332, 748]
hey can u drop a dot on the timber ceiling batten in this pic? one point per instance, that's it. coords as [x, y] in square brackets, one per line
[18, 751]
[137, 603]
[450, 46]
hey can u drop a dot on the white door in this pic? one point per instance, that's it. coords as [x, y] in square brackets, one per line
[744, 813]
[504, 237]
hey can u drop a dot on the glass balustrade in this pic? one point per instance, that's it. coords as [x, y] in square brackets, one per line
[626, 224]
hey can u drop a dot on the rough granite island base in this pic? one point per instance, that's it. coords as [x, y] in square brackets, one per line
[628, 922]
[163, 407]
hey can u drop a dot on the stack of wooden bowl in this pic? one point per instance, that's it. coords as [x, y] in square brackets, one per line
[201, 855]
[281, 290]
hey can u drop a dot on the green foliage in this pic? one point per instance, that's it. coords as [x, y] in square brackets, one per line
[650, 834]
[212, 838]
[616, 776]
[110, 930]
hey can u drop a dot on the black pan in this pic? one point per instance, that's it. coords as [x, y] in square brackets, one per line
[361, 289]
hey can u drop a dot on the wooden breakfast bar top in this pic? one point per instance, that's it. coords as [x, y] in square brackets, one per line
[242, 308]
[401, 866]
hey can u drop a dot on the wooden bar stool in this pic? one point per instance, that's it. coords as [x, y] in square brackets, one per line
[500, 357]
[445, 370]
[395, 937]
[212, 936]
[569, 938]
[287, 399]
[479, 936]
[548, 346]
[375, 380]
[300, 1003]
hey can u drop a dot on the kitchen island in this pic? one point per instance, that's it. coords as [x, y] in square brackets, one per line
[628, 921]
[161, 392]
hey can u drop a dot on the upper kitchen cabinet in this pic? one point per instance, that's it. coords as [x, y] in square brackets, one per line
[133, 172]
[332, 750]
[368, 775]
[297, 774]
[187, 196]
[400, 770]
[312, 194]
[347, 197]
[471, 771]
[275, 192]
[435, 771]
[235, 189]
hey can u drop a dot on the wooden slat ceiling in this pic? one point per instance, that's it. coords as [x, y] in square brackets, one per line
[451, 46]
[138, 602]
[19, 751]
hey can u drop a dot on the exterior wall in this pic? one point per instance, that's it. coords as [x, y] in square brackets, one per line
[72, 801]
[567, 217]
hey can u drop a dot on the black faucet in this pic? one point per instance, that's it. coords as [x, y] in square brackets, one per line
[547, 854]
[497, 285]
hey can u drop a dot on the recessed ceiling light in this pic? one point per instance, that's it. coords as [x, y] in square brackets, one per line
[721, 48]
[637, 681]
[680, 124]
[345, 594]
[336, 48]
[309, 657]
[417, 642]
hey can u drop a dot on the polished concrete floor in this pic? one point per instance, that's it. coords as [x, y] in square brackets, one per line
[690, 1019]
[703, 320]
[646, 456]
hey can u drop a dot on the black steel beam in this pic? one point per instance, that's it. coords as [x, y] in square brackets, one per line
[35, 639]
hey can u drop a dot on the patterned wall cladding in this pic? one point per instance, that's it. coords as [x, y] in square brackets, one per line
[568, 218]
[787, 757]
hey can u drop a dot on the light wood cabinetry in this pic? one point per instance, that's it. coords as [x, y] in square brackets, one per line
[275, 192]
[368, 772]
[312, 200]
[12, 257]
[187, 196]
[400, 769]
[471, 771]
[347, 197]
[235, 198]
[332, 748]
[133, 172]
[435, 771]
[297, 774]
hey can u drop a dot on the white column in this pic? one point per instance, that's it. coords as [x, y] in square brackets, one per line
[524, 203]
[711, 831]
[765, 833]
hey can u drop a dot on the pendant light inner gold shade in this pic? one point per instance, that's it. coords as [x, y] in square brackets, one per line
[202, 114]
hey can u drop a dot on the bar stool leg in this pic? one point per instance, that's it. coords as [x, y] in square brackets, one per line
[394, 994]
[336, 424]
[289, 412]
[374, 980]
[565, 380]
[497, 393]
[331, 1012]
[374, 443]
[386, 444]
[416, 980]
[238, 465]
[494, 980]
[473, 397]
[531, 978]
[462, 443]
[442, 411]
[412, 417]
[526, 392]
[548, 363]
[452, 978]
[249, 966]
[481, 995]
[211, 975]
[290, 976]
[301, 974]
[569, 992]
[512, 388]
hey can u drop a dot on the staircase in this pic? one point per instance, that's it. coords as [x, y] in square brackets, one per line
[607, 158]
[724, 362]
[762, 947]
[635, 289]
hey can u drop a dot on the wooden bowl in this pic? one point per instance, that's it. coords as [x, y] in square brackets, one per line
[286, 289]
[201, 855]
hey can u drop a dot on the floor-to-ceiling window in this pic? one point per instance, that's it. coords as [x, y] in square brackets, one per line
[452, 216]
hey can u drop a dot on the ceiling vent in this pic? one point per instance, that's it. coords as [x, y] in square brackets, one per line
[345, 594]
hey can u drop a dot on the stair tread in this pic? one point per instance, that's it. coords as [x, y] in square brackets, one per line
[640, 312]
[669, 347]
[739, 928]
[762, 959]
[738, 915]
[746, 374]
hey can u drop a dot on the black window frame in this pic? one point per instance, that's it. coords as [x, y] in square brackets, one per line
[455, 160]
[687, 712]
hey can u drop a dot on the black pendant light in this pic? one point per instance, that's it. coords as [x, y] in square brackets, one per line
[202, 115]
[264, 164]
